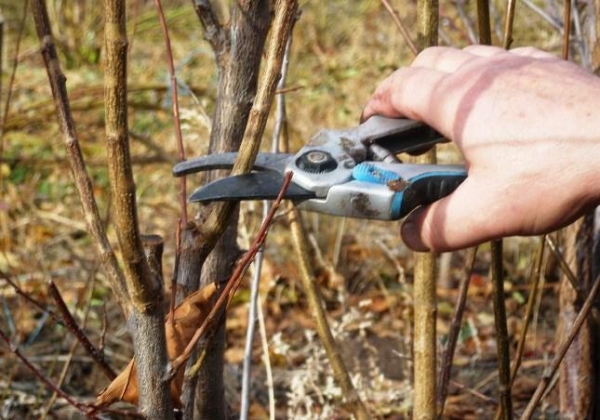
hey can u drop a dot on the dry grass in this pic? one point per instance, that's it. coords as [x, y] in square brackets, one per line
[340, 50]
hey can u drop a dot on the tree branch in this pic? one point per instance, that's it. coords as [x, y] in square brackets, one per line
[80, 176]
[213, 31]
[146, 321]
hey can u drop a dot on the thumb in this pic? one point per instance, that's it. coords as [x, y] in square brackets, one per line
[469, 216]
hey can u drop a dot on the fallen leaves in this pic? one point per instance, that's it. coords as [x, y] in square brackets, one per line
[179, 330]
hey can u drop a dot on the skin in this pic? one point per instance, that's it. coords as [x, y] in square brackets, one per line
[528, 126]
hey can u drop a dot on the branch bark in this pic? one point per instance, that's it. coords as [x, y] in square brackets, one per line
[425, 300]
[238, 57]
[81, 178]
[576, 381]
[145, 290]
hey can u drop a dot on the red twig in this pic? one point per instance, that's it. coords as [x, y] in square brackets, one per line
[29, 299]
[233, 281]
[44, 379]
[17, 43]
[175, 101]
[72, 326]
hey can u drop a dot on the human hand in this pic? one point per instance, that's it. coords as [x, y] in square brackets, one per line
[528, 125]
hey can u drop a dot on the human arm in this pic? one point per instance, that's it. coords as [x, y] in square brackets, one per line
[528, 125]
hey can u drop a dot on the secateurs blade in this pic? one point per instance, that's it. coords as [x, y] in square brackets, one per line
[350, 172]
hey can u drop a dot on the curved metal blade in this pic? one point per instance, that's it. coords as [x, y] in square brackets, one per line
[253, 186]
[264, 161]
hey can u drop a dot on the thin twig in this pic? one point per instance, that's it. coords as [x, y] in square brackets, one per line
[267, 362]
[249, 345]
[562, 350]
[474, 392]
[534, 280]
[29, 299]
[15, 350]
[13, 73]
[502, 340]
[72, 326]
[176, 119]
[455, 325]
[173, 300]
[82, 179]
[467, 21]
[232, 283]
[564, 266]
[403, 31]
[551, 20]
[309, 284]
[280, 122]
[71, 353]
[566, 30]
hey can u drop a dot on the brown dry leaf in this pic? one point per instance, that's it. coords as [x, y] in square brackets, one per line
[188, 317]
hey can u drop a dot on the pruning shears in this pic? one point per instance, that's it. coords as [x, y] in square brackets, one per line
[344, 172]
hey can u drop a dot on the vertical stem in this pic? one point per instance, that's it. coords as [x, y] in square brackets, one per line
[145, 289]
[425, 307]
[253, 310]
[501, 330]
[175, 106]
[314, 301]
[446, 368]
[566, 30]
[483, 22]
[425, 302]
[534, 280]
[485, 37]
[508, 24]
[142, 286]
[81, 178]
[427, 23]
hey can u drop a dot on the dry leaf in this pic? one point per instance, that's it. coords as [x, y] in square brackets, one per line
[188, 317]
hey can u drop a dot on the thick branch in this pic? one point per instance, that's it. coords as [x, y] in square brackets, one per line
[146, 321]
[213, 31]
[285, 15]
[80, 176]
[142, 286]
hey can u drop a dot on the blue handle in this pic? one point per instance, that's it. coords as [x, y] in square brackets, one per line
[415, 185]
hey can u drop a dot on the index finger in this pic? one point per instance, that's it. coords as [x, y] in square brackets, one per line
[408, 92]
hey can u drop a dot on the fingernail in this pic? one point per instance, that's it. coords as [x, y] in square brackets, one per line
[412, 237]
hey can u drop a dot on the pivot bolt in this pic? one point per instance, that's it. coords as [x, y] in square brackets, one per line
[316, 161]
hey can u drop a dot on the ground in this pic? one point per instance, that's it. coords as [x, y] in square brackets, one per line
[364, 271]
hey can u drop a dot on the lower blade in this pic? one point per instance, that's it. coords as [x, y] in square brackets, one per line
[253, 186]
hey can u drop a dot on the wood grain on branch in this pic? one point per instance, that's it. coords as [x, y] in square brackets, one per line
[214, 32]
[285, 15]
[144, 287]
[78, 167]
[238, 52]
[425, 299]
